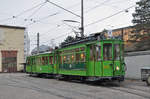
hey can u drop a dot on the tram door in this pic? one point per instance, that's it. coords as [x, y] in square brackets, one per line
[96, 60]
[107, 60]
[117, 59]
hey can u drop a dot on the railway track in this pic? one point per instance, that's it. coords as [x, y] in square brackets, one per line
[32, 84]
[133, 91]
[127, 89]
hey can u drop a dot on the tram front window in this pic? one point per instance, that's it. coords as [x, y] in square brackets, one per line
[107, 51]
[116, 52]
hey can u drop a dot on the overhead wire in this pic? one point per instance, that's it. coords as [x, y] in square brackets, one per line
[25, 11]
[99, 5]
[90, 10]
[100, 20]
[63, 8]
[36, 21]
[58, 37]
[50, 16]
[36, 11]
[40, 20]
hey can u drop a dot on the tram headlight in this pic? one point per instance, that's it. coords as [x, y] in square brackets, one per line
[117, 68]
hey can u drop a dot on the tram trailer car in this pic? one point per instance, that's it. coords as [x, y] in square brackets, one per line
[94, 60]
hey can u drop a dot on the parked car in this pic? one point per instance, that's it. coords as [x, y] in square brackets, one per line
[145, 74]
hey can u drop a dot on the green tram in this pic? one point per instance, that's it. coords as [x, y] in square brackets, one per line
[86, 60]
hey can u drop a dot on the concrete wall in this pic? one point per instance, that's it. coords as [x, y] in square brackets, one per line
[13, 40]
[134, 62]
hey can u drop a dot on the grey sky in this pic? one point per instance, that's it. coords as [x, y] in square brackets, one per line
[53, 27]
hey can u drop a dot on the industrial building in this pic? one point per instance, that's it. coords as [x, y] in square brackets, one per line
[13, 46]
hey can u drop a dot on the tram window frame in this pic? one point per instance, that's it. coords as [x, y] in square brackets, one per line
[72, 58]
[98, 52]
[82, 48]
[77, 50]
[50, 59]
[61, 59]
[43, 63]
[77, 57]
[107, 52]
[122, 51]
[28, 61]
[38, 61]
[84, 57]
[117, 53]
[46, 60]
[55, 59]
[64, 59]
[68, 58]
[92, 54]
[33, 61]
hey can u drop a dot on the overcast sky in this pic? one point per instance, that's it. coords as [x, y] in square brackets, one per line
[47, 19]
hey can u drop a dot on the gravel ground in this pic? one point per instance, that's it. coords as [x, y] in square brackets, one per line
[22, 86]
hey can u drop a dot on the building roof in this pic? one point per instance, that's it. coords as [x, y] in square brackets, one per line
[123, 28]
[8, 26]
[127, 27]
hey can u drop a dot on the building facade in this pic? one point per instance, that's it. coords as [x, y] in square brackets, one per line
[131, 43]
[11, 48]
[135, 61]
[26, 45]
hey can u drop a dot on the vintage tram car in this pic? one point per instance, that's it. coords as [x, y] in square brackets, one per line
[92, 58]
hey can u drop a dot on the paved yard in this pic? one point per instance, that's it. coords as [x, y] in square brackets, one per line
[22, 86]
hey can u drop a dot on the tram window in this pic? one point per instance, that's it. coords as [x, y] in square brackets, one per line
[73, 50]
[122, 52]
[77, 57]
[77, 49]
[92, 53]
[42, 60]
[72, 58]
[117, 52]
[32, 61]
[50, 59]
[38, 61]
[55, 59]
[68, 59]
[61, 59]
[46, 60]
[107, 51]
[98, 53]
[64, 59]
[82, 57]
[28, 62]
[82, 48]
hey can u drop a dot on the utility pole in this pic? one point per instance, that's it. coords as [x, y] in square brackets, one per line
[38, 41]
[82, 14]
[82, 18]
